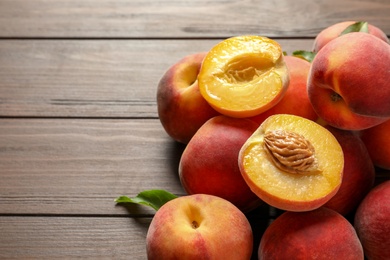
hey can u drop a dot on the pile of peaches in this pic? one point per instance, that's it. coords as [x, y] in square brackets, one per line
[305, 136]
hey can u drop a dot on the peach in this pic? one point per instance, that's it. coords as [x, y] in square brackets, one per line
[372, 222]
[377, 141]
[292, 163]
[348, 81]
[334, 31]
[243, 76]
[181, 107]
[319, 234]
[199, 227]
[209, 163]
[295, 101]
[358, 174]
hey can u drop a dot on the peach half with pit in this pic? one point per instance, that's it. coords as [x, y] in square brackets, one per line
[292, 163]
[197, 227]
[181, 107]
[348, 83]
[243, 76]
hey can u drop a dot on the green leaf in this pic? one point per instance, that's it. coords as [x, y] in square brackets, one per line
[151, 198]
[356, 27]
[306, 55]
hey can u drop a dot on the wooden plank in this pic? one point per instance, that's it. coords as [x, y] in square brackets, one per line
[167, 19]
[89, 78]
[80, 166]
[71, 238]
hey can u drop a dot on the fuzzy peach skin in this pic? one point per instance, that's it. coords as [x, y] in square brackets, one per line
[334, 31]
[209, 163]
[358, 174]
[295, 101]
[181, 107]
[372, 222]
[319, 234]
[199, 227]
[377, 141]
[348, 83]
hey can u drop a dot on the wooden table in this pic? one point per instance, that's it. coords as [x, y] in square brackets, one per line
[78, 115]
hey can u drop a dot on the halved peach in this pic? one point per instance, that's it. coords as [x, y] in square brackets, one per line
[244, 76]
[292, 163]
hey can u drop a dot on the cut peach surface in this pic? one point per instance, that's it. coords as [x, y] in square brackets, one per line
[292, 163]
[243, 76]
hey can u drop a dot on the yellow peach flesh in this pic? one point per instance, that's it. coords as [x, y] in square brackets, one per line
[243, 76]
[264, 177]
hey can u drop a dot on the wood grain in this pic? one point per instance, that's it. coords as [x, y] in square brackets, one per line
[88, 78]
[184, 19]
[73, 237]
[81, 166]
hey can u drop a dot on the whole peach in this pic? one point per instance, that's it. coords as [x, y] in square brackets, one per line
[348, 81]
[295, 101]
[319, 234]
[358, 173]
[377, 141]
[372, 222]
[181, 107]
[209, 163]
[199, 227]
[334, 31]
